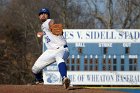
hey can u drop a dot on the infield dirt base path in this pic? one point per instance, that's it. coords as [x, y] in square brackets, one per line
[50, 89]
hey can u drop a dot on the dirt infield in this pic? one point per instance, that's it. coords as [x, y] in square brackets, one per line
[50, 89]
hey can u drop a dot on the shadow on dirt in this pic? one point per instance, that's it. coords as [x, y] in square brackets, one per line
[76, 88]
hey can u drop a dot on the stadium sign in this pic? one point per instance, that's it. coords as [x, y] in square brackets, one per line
[102, 35]
[94, 78]
[114, 52]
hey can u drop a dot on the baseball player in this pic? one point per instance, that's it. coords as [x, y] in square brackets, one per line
[57, 49]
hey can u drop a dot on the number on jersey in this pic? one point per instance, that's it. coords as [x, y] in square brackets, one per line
[47, 39]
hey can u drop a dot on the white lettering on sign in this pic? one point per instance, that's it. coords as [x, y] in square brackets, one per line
[126, 44]
[105, 44]
[133, 56]
[79, 44]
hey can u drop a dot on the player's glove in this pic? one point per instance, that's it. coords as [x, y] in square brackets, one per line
[57, 29]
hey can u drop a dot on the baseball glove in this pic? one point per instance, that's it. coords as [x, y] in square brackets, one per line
[56, 29]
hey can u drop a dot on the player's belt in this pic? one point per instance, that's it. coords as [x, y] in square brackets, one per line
[63, 46]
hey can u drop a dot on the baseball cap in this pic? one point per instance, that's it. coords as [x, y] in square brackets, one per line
[44, 10]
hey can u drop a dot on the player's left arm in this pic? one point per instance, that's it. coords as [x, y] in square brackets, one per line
[56, 29]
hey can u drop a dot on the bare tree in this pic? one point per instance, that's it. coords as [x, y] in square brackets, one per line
[115, 13]
[20, 23]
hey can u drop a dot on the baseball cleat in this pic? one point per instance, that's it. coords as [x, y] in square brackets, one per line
[66, 82]
[38, 82]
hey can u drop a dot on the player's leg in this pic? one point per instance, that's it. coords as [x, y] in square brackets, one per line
[61, 57]
[45, 59]
[62, 67]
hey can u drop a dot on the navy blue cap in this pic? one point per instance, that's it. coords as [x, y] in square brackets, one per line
[44, 10]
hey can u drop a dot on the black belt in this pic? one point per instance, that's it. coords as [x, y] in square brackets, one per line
[63, 46]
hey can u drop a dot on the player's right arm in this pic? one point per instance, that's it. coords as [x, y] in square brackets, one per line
[39, 34]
